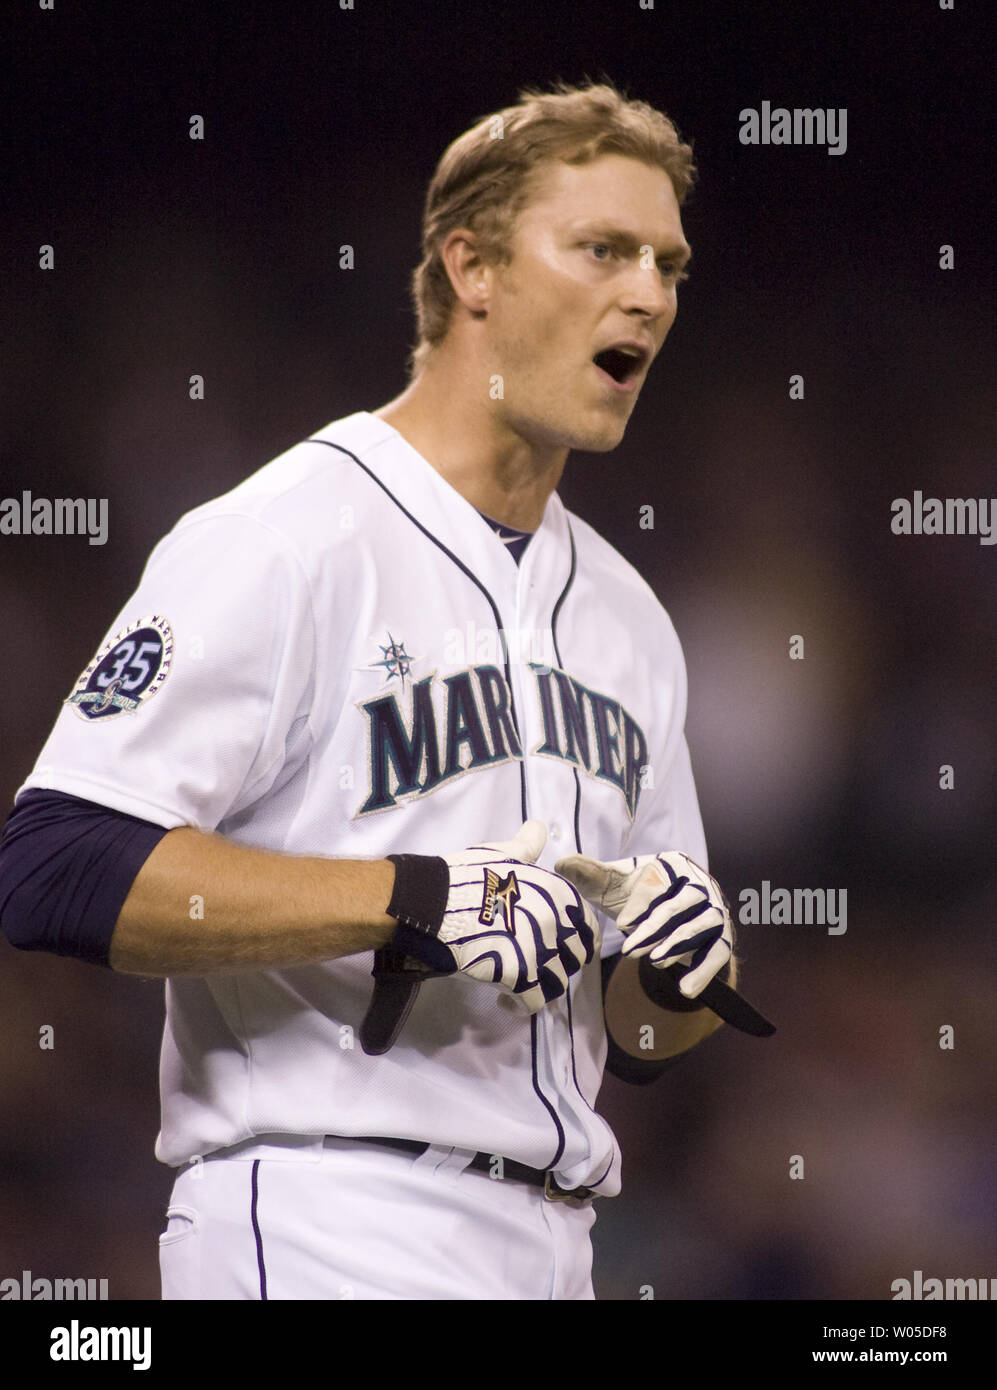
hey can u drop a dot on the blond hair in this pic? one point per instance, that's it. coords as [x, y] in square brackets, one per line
[487, 175]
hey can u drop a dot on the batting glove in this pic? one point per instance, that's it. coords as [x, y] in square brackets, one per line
[491, 913]
[668, 908]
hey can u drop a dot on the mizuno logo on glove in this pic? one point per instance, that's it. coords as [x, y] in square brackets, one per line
[503, 892]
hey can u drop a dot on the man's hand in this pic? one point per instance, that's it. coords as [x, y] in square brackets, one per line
[668, 908]
[491, 913]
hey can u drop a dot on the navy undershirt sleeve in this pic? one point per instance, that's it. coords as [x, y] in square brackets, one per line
[66, 867]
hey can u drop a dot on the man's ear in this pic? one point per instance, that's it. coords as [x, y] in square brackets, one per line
[470, 274]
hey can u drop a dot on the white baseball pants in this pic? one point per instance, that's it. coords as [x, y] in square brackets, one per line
[335, 1219]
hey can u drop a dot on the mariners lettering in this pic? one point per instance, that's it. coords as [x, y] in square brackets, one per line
[591, 730]
[415, 751]
[439, 729]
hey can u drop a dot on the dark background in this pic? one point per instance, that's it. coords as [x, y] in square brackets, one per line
[772, 519]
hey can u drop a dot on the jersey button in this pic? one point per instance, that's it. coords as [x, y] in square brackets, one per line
[555, 831]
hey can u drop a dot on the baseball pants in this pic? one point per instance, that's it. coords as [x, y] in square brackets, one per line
[336, 1219]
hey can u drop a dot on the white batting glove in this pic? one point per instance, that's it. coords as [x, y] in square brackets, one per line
[525, 847]
[490, 912]
[667, 907]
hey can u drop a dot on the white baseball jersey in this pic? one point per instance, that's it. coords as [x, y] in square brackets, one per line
[340, 657]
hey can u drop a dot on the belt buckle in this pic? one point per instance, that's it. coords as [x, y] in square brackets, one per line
[554, 1193]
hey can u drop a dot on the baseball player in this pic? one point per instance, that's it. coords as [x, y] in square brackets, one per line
[382, 768]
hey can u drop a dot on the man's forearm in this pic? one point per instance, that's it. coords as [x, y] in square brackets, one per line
[202, 904]
[629, 1012]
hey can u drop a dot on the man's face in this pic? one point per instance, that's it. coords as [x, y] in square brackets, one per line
[596, 258]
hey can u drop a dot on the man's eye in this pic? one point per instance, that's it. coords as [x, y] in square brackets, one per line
[601, 246]
[671, 270]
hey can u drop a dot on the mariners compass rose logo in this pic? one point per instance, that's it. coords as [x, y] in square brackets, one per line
[395, 661]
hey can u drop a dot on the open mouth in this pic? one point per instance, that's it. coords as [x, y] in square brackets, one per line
[622, 364]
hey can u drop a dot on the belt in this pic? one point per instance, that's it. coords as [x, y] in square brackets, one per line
[485, 1163]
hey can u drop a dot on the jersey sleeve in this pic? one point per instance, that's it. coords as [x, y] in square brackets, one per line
[668, 816]
[183, 716]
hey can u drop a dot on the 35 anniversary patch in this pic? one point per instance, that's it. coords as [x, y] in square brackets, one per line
[127, 670]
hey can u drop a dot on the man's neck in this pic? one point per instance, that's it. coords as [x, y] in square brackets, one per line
[465, 440]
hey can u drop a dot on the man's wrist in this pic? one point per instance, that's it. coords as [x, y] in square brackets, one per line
[420, 892]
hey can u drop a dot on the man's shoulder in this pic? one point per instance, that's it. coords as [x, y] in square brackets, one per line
[305, 495]
[311, 467]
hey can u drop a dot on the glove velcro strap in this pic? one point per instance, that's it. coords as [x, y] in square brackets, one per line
[662, 986]
[420, 893]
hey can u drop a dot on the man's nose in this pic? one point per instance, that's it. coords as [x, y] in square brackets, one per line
[647, 292]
